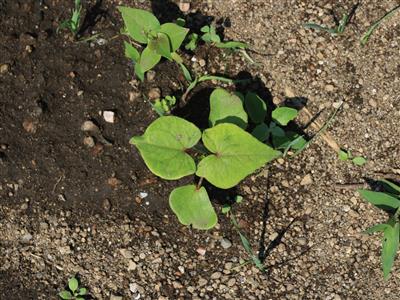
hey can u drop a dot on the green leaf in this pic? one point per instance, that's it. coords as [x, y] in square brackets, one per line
[139, 73]
[193, 37]
[283, 115]
[238, 199]
[149, 59]
[225, 208]
[73, 284]
[163, 147]
[161, 45]
[193, 207]
[236, 154]
[390, 186]
[381, 200]
[131, 52]
[66, 295]
[320, 28]
[226, 107]
[376, 228]
[139, 23]
[255, 107]
[186, 73]
[390, 245]
[175, 33]
[289, 140]
[83, 291]
[359, 160]
[343, 155]
[276, 130]
[261, 132]
[232, 45]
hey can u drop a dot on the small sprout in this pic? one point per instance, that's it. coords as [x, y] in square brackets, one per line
[74, 292]
[193, 40]
[225, 209]
[389, 201]
[74, 22]
[359, 160]
[343, 155]
[163, 106]
[346, 155]
[210, 35]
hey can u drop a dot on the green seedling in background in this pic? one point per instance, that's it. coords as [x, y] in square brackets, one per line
[164, 106]
[74, 292]
[224, 154]
[193, 40]
[339, 29]
[374, 26]
[74, 22]
[346, 155]
[227, 210]
[389, 201]
[160, 40]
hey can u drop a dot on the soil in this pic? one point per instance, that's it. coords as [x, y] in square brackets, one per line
[83, 202]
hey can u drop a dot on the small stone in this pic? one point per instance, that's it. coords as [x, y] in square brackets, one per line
[216, 275]
[113, 297]
[202, 282]
[88, 141]
[30, 126]
[126, 253]
[150, 75]
[201, 251]
[89, 126]
[373, 103]
[106, 205]
[285, 183]
[109, 116]
[142, 256]
[225, 243]
[143, 195]
[65, 250]
[154, 93]
[289, 93]
[133, 287]
[4, 68]
[329, 88]
[131, 265]
[26, 238]
[133, 96]
[231, 282]
[184, 6]
[113, 182]
[181, 269]
[302, 241]
[306, 180]
[337, 104]
[202, 62]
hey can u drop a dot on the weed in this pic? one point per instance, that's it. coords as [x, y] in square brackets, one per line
[160, 40]
[365, 38]
[74, 22]
[346, 155]
[339, 29]
[74, 292]
[163, 106]
[389, 201]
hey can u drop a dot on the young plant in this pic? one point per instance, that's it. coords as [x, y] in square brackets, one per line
[375, 25]
[171, 149]
[346, 155]
[210, 36]
[163, 106]
[160, 40]
[389, 201]
[74, 22]
[339, 29]
[74, 292]
[275, 132]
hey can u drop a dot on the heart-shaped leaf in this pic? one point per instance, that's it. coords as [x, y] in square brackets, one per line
[255, 107]
[175, 33]
[390, 245]
[66, 295]
[139, 23]
[131, 52]
[148, 59]
[236, 155]
[161, 45]
[193, 207]
[226, 107]
[163, 147]
[261, 132]
[283, 115]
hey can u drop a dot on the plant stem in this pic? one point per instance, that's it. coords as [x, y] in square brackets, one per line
[199, 183]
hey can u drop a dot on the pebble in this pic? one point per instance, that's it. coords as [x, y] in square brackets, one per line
[126, 253]
[201, 251]
[216, 275]
[329, 88]
[181, 269]
[150, 75]
[202, 282]
[231, 282]
[30, 126]
[154, 93]
[133, 96]
[106, 205]
[225, 243]
[26, 238]
[109, 116]
[373, 103]
[88, 141]
[289, 93]
[306, 180]
[89, 126]
[4, 68]
[184, 6]
[143, 195]
[113, 297]
[202, 62]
